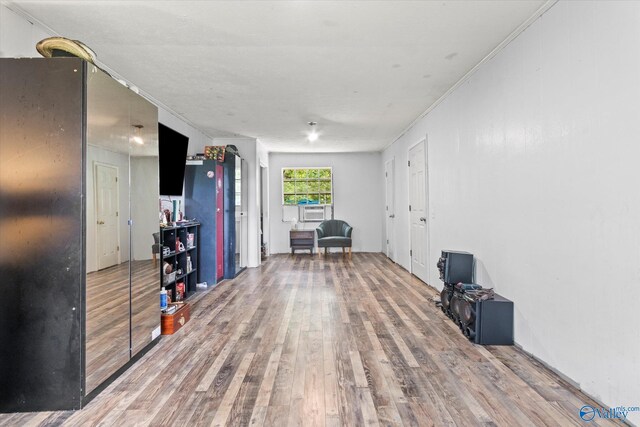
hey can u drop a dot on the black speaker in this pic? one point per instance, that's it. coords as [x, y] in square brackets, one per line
[456, 267]
[492, 322]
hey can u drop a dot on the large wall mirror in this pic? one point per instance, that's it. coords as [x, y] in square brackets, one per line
[121, 217]
[144, 191]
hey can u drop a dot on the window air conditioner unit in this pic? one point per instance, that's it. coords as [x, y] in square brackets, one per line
[313, 213]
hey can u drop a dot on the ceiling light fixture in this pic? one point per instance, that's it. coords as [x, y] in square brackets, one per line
[136, 135]
[313, 135]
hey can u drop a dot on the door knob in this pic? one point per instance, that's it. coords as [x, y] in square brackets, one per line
[423, 219]
[392, 216]
[100, 222]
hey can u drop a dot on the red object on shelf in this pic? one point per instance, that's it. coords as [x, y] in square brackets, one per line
[180, 291]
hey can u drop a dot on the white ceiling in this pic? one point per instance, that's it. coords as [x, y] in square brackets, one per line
[364, 70]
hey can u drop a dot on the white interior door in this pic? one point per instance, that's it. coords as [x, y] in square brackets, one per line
[418, 210]
[389, 175]
[107, 229]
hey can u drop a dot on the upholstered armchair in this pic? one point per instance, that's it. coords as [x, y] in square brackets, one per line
[334, 233]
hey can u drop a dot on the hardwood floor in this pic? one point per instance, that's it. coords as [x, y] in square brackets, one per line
[329, 341]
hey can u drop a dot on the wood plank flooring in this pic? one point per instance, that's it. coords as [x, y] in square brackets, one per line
[303, 341]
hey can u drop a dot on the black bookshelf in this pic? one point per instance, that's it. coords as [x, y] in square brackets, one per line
[178, 256]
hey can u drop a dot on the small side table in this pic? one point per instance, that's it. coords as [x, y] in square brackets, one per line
[301, 239]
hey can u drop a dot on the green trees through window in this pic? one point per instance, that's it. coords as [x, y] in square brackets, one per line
[307, 186]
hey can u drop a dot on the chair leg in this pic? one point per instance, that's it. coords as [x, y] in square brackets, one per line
[325, 252]
[155, 260]
[342, 252]
[349, 252]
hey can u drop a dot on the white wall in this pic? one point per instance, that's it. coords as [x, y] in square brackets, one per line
[357, 199]
[533, 168]
[18, 37]
[263, 154]
[263, 160]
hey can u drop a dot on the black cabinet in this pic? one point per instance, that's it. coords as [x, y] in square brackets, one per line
[456, 267]
[210, 189]
[301, 239]
[179, 248]
[202, 204]
[493, 323]
[79, 201]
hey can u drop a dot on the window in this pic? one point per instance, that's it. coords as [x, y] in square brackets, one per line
[307, 186]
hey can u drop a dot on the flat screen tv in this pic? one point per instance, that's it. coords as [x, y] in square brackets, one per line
[172, 147]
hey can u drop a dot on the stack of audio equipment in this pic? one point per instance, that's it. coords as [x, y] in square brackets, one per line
[482, 315]
[455, 267]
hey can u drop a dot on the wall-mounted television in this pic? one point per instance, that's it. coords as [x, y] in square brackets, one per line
[172, 147]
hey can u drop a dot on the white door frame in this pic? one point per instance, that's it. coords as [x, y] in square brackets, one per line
[426, 207]
[244, 217]
[95, 210]
[390, 207]
[266, 221]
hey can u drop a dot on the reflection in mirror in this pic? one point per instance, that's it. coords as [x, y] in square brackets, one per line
[107, 229]
[122, 310]
[144, 187]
